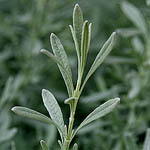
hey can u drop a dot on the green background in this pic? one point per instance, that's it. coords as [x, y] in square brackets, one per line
[25, 27]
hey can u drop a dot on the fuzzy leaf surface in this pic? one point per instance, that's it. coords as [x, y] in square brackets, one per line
[77, 24]
[85, 42]
[31, 114]
[60, 53]
[53, 108]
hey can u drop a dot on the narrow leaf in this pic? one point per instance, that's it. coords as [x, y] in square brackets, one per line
[100, 111]
[53, 108]
[84, 43]
[77, 23]
[60, 53]
[76, 45]
[106, 49]
[43, 145]
[69, 100]
[134, 15]
[31, 114]
[147, 141]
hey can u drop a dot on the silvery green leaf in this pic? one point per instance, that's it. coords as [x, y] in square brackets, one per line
[76, 45]
[31, 114]
[7, 134]
[106, 49]
[75, 146]
[53, 108]
[147, 141]
[128, 32]
[134, 15]
[99, 112]
[85, 42]
[77, 24]
[60, 53]
[43, 145]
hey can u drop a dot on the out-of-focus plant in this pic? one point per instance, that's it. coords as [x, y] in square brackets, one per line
[140, 40]
[137, 79]
[7, 133]
[81, 33]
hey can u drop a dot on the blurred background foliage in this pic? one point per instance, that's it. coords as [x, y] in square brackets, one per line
[25, 27]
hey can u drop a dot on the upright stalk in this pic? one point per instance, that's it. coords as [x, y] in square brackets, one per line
[73, 107]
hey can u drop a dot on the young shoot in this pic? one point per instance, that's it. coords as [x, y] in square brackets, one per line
[81, 33]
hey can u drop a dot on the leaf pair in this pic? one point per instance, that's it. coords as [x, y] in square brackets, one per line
[81, 32]
[60, 57]
[52, 107]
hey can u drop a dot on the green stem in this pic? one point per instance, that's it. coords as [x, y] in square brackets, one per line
[73, 106]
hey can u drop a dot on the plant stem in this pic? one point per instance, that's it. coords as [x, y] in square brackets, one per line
[73, 106]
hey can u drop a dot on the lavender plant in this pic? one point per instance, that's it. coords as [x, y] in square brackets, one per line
[81, 33]
[7, 133]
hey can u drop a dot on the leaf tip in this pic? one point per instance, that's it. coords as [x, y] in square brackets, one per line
[77, 10]
[86, 22]
[52, 35]
[41, 142]
[44, 91]
[42, 50]
[114, 33]
[113, 36]
[76, 6]
[117, 99]
[13, 109]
